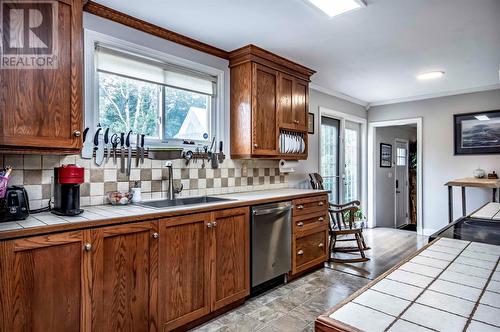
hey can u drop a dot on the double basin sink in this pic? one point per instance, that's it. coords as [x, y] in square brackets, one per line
[165, 203]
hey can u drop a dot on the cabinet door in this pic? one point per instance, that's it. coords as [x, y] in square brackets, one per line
[125, 277]
[286, 110]
[42, 283]
[231, 253]
[264, 110]
[300, 104]
[42, 108]
[184, 269]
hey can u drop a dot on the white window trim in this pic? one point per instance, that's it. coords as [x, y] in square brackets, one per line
[91, 85]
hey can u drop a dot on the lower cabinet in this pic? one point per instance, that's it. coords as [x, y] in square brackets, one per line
[124, 277]
[44, 283]
[203, 264]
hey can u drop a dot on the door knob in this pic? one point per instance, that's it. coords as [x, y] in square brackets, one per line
[156, 235]
[320, 204]
[209, 225]
[300, 207]
[300, 252]
[321, 219]
[300, 224]
[87, 246]
[256, 145]
[214, 224]
[321, 245]
[77, 133]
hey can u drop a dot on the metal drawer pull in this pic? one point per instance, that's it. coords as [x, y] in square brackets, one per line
[156, 235]
[300, 252]
[300, 224]
[77, 133]
[87, 246]
[321, 245]
[321, 219]
[209, 225]
[214, 223]
[321, 204]
[300, 207]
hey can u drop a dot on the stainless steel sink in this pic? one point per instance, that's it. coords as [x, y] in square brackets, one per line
[164, 203]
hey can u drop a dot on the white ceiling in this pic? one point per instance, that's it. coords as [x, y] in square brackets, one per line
[372, 54]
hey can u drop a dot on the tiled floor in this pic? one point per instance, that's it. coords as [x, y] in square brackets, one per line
[295, 306]
[457, 295]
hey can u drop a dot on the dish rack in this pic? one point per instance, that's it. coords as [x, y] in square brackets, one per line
[292, 143]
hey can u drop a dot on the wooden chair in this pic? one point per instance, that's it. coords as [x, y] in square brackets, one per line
[342, 230]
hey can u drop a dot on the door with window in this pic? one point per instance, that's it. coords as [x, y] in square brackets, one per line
[340, 155]
[401, 182]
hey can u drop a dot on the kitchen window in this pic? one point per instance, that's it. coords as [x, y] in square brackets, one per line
[172, 105]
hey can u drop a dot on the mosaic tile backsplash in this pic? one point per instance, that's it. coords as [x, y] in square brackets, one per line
[36, 174]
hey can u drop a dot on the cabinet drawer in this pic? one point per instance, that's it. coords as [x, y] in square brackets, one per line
[307, 222]
[309, 250]
[310, 205]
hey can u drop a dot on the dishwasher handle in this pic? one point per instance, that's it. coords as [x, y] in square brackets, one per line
[272, 210]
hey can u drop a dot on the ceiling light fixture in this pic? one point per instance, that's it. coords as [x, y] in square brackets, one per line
[482, 117]
[336, 7]
[430, 75]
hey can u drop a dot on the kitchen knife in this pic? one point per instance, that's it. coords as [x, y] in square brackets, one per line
[107, 145]
[88, 147]
[114, 143]
[137, 149]
[99, 148]
[129, 152]
[122, 152]
[142, 148]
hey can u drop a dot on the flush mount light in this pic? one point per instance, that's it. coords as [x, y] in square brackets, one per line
[430, 75]
[482, 117]
[337, 7]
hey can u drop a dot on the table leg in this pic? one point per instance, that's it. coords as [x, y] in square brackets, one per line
[450, 204]
[464, 204]
[494, 194]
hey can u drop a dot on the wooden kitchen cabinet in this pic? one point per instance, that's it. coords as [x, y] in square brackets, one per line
[231, 257]
[125, 275]
[41, 109]
[269, 95]
[45, 283]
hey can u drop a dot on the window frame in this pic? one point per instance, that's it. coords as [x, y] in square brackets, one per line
[91, 83]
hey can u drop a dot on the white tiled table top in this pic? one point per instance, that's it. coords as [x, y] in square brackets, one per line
[452, 285]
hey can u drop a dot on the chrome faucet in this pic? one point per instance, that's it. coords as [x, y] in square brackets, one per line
[171, 191]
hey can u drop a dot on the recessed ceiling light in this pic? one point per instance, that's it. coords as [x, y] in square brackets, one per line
[337, 7]
[482, 117]
[430, 75]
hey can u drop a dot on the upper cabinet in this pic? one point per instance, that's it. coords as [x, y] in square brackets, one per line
[41, 80]
[269, 105]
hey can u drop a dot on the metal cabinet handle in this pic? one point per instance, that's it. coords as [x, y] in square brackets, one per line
[296, 121]
[156, 235]
[300, 207]
[300, 224]
[77, 133]
[209, 225]
[320, 203]
[256, 145]
[87, 246]
[214, 223]
[321, 245]
[300, 252]
[321, 219]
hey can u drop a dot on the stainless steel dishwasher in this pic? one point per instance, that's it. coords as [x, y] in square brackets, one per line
[271, 229]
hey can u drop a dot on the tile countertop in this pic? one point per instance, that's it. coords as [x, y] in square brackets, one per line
[95, 216]
[450, 285]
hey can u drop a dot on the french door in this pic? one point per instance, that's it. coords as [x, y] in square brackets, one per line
[340, 158]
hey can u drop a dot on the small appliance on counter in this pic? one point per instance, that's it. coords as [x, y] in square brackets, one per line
[67, 180]
[14, 205]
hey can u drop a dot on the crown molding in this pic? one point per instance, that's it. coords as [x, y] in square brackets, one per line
[338, 94]
[435, 95]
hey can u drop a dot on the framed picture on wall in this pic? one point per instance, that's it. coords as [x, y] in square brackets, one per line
[477, 133]
[385, 155]
[310, 123]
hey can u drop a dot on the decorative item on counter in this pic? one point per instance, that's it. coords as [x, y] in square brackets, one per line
[493, 175]
[136, 192]
[479, 173]
[4, 180]
[120, 197]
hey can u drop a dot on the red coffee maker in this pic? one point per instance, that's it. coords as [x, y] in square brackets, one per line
[67, 180]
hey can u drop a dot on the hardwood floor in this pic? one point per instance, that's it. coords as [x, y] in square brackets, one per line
[294, 306]
[388, 247]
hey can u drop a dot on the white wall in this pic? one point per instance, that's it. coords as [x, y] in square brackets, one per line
[316, 99]
[385, 176]
[439, 163]
[116, 30]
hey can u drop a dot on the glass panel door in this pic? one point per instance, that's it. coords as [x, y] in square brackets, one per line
[329, 156]
[352, 162]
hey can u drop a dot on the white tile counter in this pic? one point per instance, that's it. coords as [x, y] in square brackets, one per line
[451, 285]
[93, 214]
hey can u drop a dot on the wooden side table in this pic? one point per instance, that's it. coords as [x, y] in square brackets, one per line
[493, 184]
